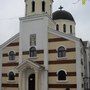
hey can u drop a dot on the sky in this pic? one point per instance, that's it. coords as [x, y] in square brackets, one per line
[11, 10]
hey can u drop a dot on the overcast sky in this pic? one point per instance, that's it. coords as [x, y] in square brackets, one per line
[11, 10]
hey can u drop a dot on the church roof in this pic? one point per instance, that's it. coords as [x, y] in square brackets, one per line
[62, 14]
[64, 35]
[9, 41]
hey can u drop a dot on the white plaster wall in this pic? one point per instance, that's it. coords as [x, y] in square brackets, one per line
[51, 24]
[78, 66]
[0, 68]
[88, 61]
[33, 26]
[39, 26]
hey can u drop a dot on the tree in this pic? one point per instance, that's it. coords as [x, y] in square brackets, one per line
[83, 2]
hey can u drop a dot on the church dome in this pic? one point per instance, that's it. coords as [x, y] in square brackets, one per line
[62, 14]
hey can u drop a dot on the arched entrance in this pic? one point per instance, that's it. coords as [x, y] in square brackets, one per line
[31, 82]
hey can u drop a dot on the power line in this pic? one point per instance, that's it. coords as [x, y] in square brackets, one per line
[12, 18]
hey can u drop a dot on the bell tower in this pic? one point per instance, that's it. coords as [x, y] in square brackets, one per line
[33, 7]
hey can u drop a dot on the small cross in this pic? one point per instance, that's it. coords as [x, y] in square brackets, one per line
[60, 7]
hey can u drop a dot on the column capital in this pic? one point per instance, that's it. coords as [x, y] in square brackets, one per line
[36, 70]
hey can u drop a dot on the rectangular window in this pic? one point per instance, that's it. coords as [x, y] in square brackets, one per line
[33, 40]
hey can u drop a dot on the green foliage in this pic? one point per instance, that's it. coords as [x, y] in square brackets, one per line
[84, 2]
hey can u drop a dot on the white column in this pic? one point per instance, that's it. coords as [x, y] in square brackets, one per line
[23, 81]
[20, 80]
[22, 84]
[78, 66]
[0, 68]
[36, 80]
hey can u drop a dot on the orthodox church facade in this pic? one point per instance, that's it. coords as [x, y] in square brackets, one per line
[45, 54]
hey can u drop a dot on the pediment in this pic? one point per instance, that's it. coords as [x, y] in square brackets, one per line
[29, 64]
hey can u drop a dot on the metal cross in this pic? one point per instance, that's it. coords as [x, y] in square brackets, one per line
[60, 7]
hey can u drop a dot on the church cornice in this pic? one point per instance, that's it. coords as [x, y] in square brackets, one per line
[36, 17]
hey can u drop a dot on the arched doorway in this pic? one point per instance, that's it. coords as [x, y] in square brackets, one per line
[31, 82]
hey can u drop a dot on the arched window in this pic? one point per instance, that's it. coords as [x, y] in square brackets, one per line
[61, 75]
[71, 29]
[61, 52]
[33, 6]
[57, 27]
[11, 76]
[43, 6]
[33, 52]
[11, 55]
[64, 28]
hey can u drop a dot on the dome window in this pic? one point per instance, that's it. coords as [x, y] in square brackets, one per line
[57, 27]
[33, 6]
[64, 28]
[70, 29]
[43, 6]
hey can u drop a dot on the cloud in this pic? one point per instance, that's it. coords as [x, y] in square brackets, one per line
[8, 28]
[11, 10]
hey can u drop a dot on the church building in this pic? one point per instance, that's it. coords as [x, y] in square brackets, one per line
[45, 54]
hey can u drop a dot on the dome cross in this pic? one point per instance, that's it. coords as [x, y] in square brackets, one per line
[60, 7]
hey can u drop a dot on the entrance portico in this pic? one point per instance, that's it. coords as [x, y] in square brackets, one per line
[30, 75]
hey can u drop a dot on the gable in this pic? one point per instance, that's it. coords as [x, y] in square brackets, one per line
[67, 63]
[12, 45]
[59, 40]
[62, 34]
